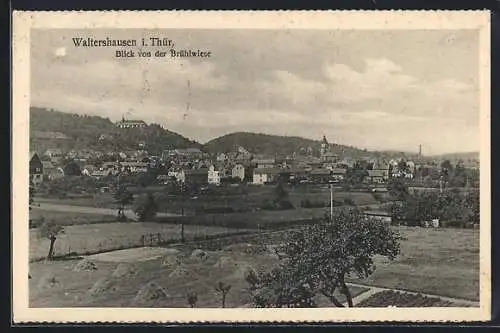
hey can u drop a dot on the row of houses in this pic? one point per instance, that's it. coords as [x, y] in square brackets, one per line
[41, 170]
[259, 176]
[257, 171]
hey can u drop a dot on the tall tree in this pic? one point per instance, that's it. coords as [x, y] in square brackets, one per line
[51, 231]
[223, 289]
[320, 257]
[123, 198]
[397, 189]
[146, 208]
[31, 194]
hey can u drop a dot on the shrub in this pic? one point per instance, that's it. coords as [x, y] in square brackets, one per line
[453, 224]
[146, 208]
[281, 204]
[349, 202]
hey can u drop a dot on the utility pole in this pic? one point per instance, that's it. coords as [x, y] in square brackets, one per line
[182, 213]
[331, 202]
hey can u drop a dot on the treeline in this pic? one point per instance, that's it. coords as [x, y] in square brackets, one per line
[95, 132]
[271, 145]
[451, 206]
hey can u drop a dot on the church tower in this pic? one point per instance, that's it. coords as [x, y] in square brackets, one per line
[324, 147]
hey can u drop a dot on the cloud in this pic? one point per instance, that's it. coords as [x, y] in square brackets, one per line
[372, 97]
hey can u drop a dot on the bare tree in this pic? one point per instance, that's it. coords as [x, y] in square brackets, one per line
[192, 299]
[223, 289]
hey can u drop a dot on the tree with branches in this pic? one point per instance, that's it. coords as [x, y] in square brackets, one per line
[123, 198]
[31, 194]
[51, 231]
[320, 258]
[223, 289]
[146, 208]
[192, 299]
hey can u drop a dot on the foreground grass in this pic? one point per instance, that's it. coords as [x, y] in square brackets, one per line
[442, 262]
[73, 288]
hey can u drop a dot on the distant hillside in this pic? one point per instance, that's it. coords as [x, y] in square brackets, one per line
[93, 132]
[274, 145]
[468, 156]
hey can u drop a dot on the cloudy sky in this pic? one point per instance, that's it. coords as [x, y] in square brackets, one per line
[371, 89]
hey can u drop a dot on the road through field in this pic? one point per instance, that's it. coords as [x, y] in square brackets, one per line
[374, 290]
[90, 210]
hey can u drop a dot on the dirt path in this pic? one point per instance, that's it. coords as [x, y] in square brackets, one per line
[374, 290]
[89, 210]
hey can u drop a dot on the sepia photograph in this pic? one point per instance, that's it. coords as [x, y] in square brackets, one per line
[239, 168]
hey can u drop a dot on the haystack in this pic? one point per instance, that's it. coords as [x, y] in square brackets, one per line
[225, 262]
[245, 270]
[49, 281]
[171, 261]
[271, 251]
[124, 270]
[85, 265]
[199, 255]
[103, 285]
[150, 291]
[179, 272]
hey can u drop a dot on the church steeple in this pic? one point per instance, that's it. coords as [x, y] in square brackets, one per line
[324, 147]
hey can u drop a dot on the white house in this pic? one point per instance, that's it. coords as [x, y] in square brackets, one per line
[88, 170]
[338, 174]
[213, 175]
[56, 173]
[264, 163]
[101, 173]
[178, 174]
[265, 175]
[134, 167]
[222, 157]
[238, 171]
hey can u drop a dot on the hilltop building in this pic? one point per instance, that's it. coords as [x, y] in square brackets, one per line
[130, 123]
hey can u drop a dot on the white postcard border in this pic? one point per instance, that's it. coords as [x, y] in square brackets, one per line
[23, 22]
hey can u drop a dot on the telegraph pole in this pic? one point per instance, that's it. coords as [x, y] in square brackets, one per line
[331, 202]
[182, 213]
[188, 106]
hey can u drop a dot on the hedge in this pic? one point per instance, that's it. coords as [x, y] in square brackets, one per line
[237, 221]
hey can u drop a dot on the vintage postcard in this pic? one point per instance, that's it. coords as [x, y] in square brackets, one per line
[294, 166]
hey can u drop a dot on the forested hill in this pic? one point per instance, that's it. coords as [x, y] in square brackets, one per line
[93, 132]
[274, 145]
